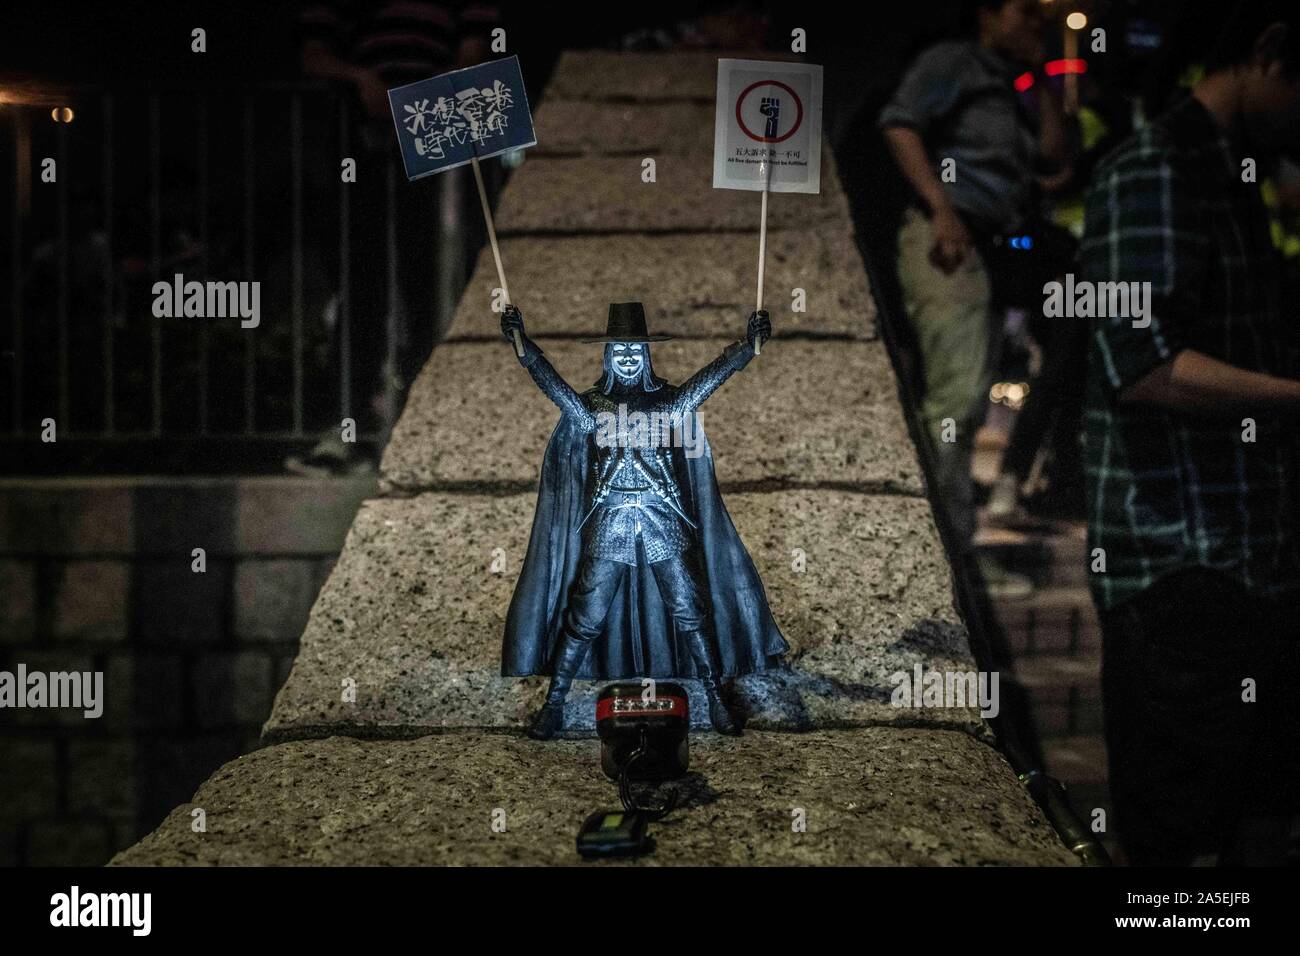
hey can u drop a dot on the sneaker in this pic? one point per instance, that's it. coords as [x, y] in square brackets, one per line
[1004, 498]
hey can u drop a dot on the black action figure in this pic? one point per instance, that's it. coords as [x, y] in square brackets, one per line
[631, 543]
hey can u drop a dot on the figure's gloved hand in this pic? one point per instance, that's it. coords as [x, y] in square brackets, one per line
[512, 321]
[760, 327]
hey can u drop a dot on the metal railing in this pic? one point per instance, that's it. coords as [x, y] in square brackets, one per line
[244, 187]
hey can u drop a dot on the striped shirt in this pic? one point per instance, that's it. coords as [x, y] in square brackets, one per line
[402, 40]
[1168, 490]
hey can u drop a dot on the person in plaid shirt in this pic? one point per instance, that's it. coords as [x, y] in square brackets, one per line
[1190, 437]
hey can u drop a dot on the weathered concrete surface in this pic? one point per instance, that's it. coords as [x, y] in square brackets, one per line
[614, 77]
[691, 285]
[571, 127]
[871, 797]
[606, 194]
[414, 614]
[474, 416]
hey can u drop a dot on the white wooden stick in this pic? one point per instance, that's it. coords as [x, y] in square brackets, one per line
[496, 249]
[762, 257]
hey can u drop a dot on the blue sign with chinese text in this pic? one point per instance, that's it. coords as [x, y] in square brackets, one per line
[448, 120]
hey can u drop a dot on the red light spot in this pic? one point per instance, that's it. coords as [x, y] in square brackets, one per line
[1024, 81]
[1058, 67]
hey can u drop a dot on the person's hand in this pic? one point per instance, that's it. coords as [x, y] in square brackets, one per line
[951, 241]
[512, 321]
[1055, 182]
[759, 328]
[373, 94]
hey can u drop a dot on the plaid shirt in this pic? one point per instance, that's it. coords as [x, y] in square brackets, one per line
[1168, 490]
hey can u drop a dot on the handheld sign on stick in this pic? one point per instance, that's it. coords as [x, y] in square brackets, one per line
[767, 134]
[462, 117]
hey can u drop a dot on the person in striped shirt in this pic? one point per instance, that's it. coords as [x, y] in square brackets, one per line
[376, 45]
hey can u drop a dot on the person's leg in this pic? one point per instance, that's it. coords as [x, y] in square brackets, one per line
[1271, 788]
[368, 303]
[683, 591]
[417, 219]
[1066, 475]
[950, 316]
[1064, 351]
[1035, 415]
[590, 595]
[1177, 729]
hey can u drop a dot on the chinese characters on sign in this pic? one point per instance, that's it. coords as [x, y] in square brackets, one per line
[767, 128]
[447, 120]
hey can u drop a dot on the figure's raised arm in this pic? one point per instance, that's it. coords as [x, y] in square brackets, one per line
[734, 357]
[548, 380]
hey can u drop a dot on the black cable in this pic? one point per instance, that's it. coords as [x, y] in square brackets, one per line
[625, 787]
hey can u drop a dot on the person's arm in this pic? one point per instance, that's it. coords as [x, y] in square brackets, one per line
[696, 389]
[951, 239]
[1143, 225]
[1058, 142]
[908, 149]
[1052, 141]
[1197, 383]
[548, 380]
[928, 94]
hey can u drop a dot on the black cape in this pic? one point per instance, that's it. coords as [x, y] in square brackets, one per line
[638, 639]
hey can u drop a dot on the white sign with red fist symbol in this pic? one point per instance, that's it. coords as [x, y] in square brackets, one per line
[767, 130]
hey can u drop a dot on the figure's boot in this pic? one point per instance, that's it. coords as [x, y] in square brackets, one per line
[718, 713]
[568, 658]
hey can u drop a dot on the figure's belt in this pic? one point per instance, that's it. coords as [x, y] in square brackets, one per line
[637, 499]
[615, 500]
[629, 499]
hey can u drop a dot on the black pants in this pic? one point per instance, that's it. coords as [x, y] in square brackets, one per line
[1056, 396]
[597, 582]
[1189, 759]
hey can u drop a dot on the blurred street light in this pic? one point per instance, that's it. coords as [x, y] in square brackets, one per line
[1074, 22]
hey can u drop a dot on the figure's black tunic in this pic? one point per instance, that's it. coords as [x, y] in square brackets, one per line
[634, 492]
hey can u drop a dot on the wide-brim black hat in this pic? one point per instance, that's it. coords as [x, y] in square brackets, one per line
[627, 324]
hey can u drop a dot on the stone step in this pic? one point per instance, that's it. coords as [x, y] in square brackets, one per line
[608, 195]
[873, 796]
[691, 285]
[1057, 672]
[607, 75]
[1053, 620]
[474, 415]
[568, 127]
[414, 615]
[679, 75]
[1063, 693]
[1054, 554]
[1061, 599]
